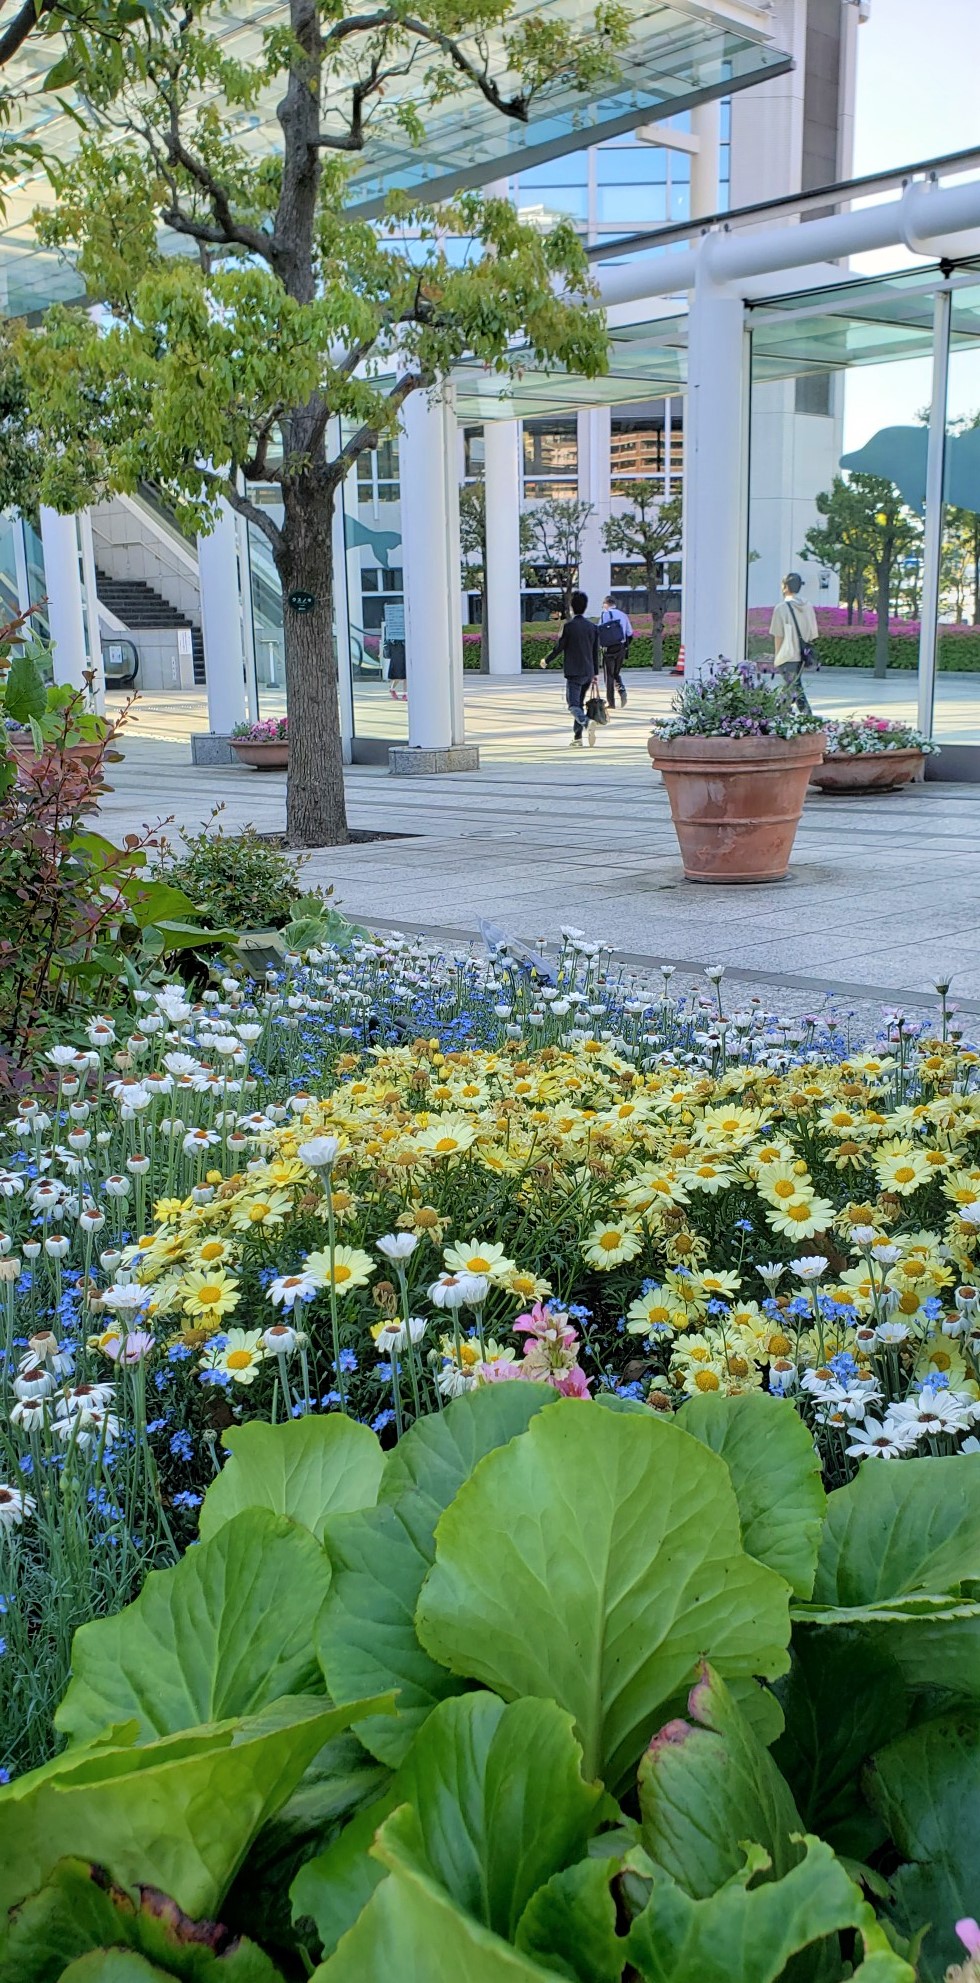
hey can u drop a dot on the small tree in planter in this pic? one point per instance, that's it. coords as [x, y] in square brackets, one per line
[870, 754]
[650, 533]
[736, 758]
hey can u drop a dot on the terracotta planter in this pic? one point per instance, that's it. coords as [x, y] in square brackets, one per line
[271, 756]
[866, 771]
[736, 804]
[27, 757]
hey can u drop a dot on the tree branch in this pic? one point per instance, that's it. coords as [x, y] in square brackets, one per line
[25, 20]
[368, 436]
[234, 233]
[252, 512]
[516, 106]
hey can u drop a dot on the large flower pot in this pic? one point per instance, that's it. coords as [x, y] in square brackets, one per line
[736, 803]
[866, 771]
[271, 756]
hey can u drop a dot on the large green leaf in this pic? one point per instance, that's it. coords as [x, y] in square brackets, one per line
[380, 1560]
[442, 1449]
[341, 1782]
[775, 1472]
[307, 1468]
[493, 1803]
[178, 1814]
[569, 1925]
[112, 1966]
[411, 1932]
[596, 1560]
[843, 1698]
[499, 1802]
[897, 1530]
[900, 1560]
[333, 1889]
[707, 1788]
[926, 1786]
[744, 1933]
[381, 1556]
[76, 1913]
[229, 1629]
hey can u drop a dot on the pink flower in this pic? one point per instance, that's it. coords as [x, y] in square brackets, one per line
[130, 1349]
[969, 1934]
[551, 1354]
[575, 1384]
[501, 1372]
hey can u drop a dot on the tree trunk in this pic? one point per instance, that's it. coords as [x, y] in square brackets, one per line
[316, 814]
[881, 631]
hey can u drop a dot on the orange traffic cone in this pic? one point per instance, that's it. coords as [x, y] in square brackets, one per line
[679, 670]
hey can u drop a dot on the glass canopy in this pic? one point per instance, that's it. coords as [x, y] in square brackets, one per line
[679, 54]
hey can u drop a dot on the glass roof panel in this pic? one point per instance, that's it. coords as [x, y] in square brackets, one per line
[680, 52]
[870, 321]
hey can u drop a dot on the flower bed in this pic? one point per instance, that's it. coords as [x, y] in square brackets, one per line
[484, 1329]
[871, 736]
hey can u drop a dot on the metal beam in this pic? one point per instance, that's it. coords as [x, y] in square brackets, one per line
[837, 194]
[934, 511]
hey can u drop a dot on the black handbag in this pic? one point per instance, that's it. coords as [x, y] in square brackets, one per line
[595, 710]
[809, 657]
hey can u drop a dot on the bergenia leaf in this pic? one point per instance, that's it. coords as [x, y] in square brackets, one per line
[595, 1561]
[775, 1470]
[744, 1933]
[227, 1630]
[308, 1468]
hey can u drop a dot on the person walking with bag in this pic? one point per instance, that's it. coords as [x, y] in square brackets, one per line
[578, 645]
[794, 629]
[615, 634]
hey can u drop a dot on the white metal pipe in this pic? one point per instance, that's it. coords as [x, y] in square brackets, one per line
[502, 589]
[63, 585]
[924, 215]
[933, 536]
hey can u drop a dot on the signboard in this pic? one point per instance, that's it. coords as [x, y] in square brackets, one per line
[395, 622]
[302, 602]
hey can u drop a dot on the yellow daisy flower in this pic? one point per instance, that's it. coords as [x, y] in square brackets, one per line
[611, 1245]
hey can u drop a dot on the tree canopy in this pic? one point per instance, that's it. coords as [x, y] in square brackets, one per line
[256, 330]
[649, 531]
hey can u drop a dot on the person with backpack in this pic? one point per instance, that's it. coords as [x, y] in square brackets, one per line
[615, 634]
[578, 645]
[794, 629]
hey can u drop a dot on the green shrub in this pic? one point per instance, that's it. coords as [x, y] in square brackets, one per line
[237, 878]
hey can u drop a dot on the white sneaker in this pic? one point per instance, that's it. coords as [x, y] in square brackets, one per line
[591, 733]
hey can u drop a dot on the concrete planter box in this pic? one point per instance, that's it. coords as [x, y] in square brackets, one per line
[867, 771]
[736, 804]
[414, 761]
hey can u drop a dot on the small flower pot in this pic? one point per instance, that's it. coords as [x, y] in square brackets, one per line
[736, 803]
[866, 771]
[270, 756]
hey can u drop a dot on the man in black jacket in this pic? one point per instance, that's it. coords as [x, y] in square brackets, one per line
[578, 645]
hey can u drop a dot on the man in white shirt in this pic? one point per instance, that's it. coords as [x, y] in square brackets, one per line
[793, 627]
[615, 634]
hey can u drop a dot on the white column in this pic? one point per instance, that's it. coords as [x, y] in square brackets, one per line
[502, 596]
[97, 691]
[706, 127]
[341, 602]
[221, 624]
[933, 535]
[593, 487]
[714, 477]
[430, 555]
[63, 586]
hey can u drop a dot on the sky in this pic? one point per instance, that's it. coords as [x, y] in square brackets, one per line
[917, 97]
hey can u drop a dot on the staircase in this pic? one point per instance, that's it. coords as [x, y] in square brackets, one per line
[136, 604]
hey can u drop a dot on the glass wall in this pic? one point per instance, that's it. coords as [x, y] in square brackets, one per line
[841, 389]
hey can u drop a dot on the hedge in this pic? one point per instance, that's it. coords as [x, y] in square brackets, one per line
[959, 653]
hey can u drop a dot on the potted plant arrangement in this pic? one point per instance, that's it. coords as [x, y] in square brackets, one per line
[265, 746]
[736, 758]
[48, 724]
[869, 754]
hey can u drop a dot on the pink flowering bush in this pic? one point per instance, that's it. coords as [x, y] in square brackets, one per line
[272, 730]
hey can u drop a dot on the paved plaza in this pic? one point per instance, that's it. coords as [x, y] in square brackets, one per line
[881, 900]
